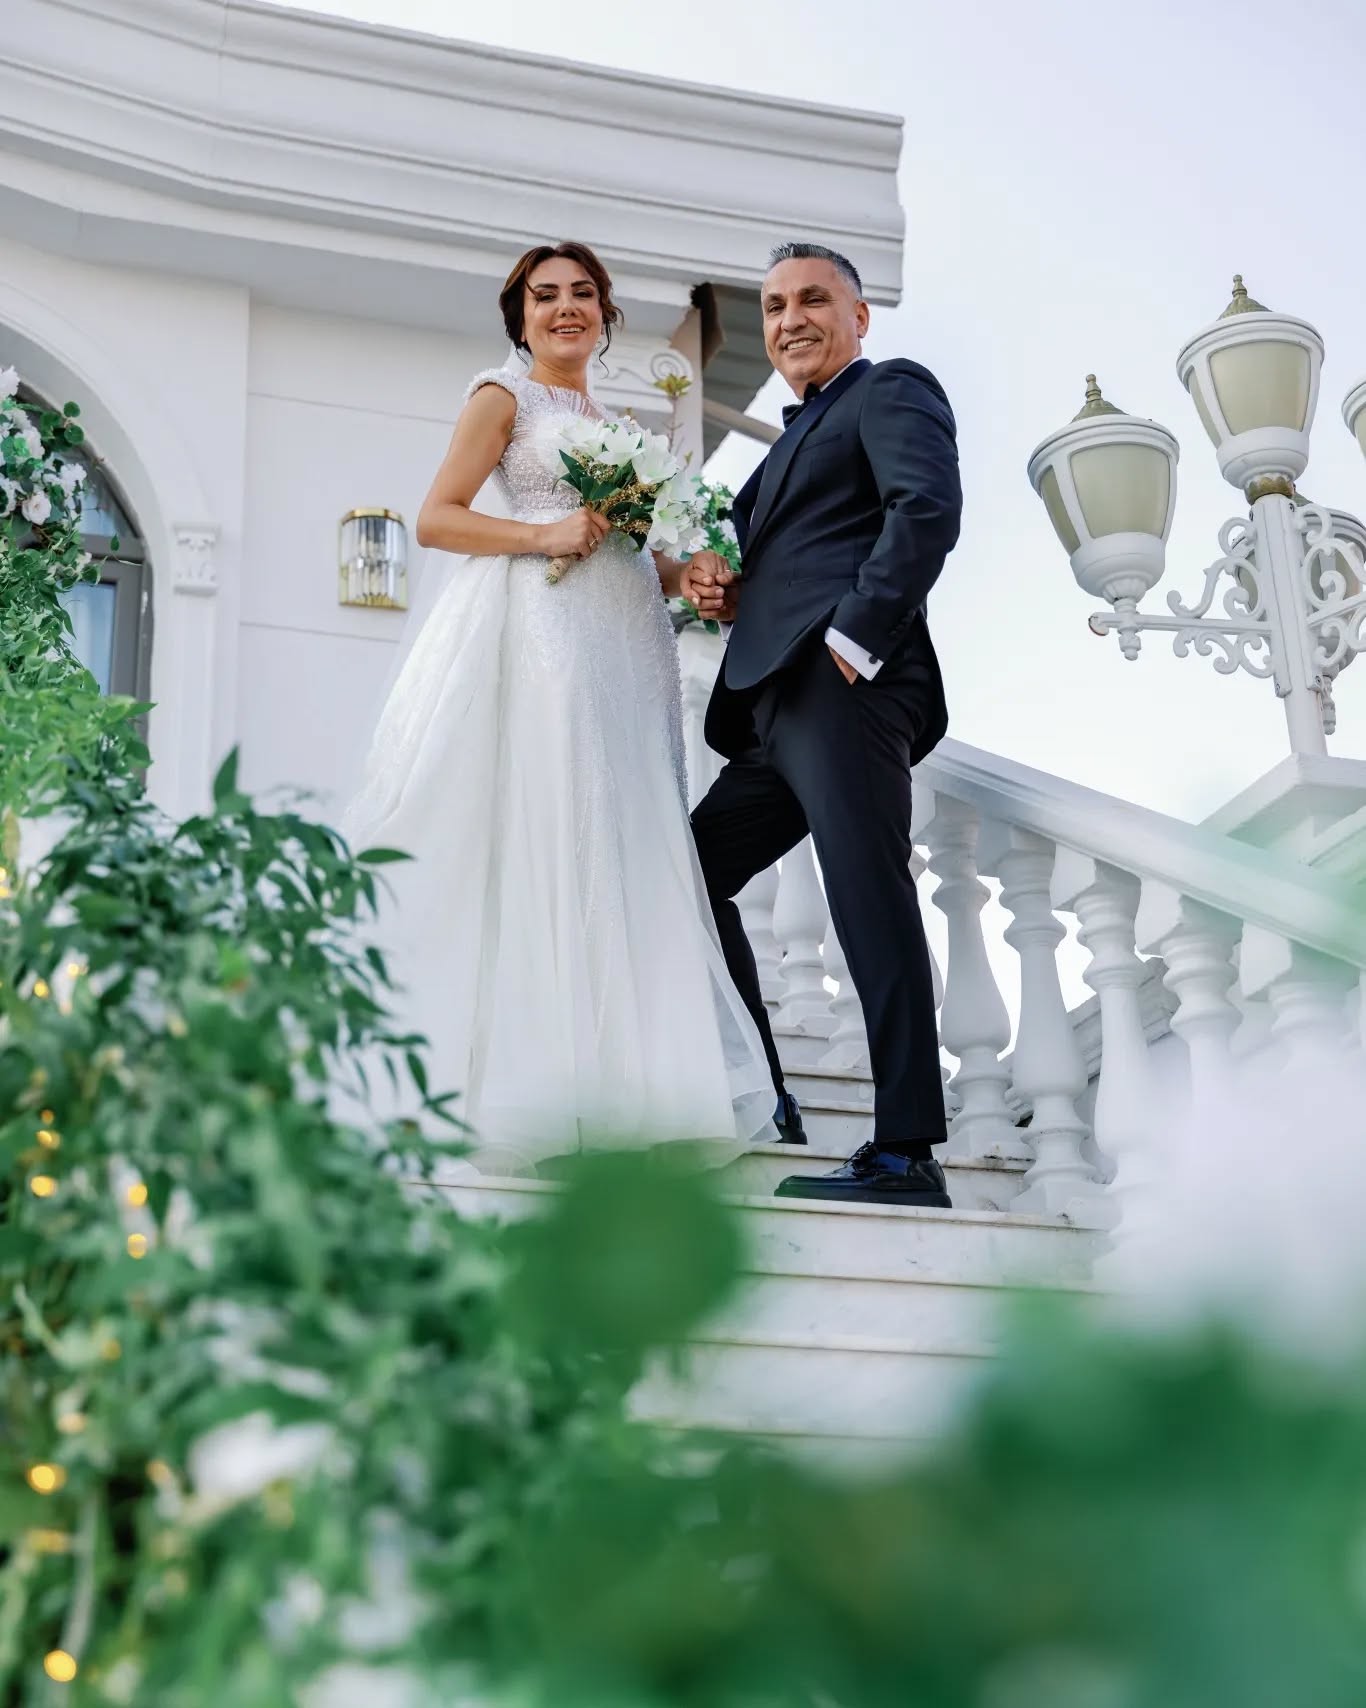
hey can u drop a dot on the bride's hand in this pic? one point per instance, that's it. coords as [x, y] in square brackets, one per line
[575, 535]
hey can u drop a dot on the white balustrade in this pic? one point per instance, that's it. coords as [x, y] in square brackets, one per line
[1048, 1067]
[974, 1024]
[1265, 960]
[799, 922]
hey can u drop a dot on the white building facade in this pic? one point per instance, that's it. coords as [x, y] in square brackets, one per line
[263, 250]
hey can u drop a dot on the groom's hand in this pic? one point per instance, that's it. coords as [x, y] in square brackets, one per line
[846, 669]
[709, 583]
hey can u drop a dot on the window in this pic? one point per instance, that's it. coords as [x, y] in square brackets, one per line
[112, 618]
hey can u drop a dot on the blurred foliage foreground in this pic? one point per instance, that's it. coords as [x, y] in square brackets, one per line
[277, 1427]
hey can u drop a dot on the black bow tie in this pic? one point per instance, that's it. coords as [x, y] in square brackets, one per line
[792, 410]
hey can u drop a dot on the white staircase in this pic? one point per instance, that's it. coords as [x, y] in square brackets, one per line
[1223, 972]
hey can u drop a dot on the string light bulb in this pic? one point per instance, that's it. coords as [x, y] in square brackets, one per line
[72, 1422]
[48, 1139]
[48, 1117]
[45, 1479]
[137, 1195]
[137, 1245]
[60, 1666]
[42, 1186]
[41, 988]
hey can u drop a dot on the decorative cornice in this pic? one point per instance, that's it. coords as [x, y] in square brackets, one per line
[233, 107]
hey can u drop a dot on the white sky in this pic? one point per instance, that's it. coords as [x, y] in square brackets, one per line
[1081, 178]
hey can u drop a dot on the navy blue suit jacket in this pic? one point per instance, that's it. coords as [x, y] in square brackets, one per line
[847, 523]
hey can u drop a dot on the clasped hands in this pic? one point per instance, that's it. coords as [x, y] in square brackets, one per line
[712, 587]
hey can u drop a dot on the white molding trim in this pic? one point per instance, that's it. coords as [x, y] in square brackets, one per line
[229, 110]
[196, 572]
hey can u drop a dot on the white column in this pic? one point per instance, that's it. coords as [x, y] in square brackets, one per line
[1129, 1125]
[974, 1025]
[1197, 943]
[1048, 1065]
[187, 635]
[799, 916]
[756, 903]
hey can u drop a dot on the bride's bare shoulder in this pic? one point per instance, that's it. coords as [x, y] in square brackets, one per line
[491, 402]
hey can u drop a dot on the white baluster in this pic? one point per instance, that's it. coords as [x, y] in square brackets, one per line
[919, 866]
[1197, 942]
[1307, 994]
[799, 916]
[756, 902]
[1129, 1130]
[848, 1052]
[699, 659]
[974, 1024]
[1048, 1065]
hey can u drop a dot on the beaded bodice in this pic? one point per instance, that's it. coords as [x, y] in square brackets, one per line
[525, 474]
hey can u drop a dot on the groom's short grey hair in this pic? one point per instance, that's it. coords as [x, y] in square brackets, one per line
[817, 252]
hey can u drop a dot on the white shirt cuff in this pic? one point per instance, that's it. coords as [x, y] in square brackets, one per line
[864, 662]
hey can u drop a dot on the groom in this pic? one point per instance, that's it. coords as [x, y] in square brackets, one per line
[830, 691]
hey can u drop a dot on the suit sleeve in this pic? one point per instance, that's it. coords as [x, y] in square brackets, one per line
[907, 431]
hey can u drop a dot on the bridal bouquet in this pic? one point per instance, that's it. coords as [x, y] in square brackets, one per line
[628, 475]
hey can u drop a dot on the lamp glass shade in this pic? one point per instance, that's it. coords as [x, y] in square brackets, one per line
[1207, 421]
[1051, 494]
[1123, 489]
[1262, 384]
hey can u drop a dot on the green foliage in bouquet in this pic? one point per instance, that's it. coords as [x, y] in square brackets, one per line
[712, 514]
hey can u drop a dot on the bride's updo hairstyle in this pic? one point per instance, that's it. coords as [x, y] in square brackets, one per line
[512, 297]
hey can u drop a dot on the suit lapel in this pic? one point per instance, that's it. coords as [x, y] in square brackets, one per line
[778, 461]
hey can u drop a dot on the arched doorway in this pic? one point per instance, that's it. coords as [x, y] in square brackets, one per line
[111, 618]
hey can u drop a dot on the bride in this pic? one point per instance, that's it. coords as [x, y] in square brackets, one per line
[553, 936]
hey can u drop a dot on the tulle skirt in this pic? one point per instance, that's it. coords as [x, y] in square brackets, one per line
[552, 935]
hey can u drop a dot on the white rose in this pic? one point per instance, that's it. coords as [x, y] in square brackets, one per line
[33, 439]
[9, 496]
[37, 507]
[239, 1459]
[9, 381]
[71, 475]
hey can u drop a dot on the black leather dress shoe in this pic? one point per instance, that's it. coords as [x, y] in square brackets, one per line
[873, 1176]
[787, 1119]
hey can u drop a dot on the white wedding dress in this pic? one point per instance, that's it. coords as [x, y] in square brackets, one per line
[552, 933]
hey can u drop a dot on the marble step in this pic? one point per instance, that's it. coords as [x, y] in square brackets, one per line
[846, 1387]
[829, 1085]
[871, 1242]
[937, 1315]
[989, 1185]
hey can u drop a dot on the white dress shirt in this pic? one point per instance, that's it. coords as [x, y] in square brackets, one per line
[850, 651]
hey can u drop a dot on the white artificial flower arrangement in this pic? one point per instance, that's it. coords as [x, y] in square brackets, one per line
[627, 474]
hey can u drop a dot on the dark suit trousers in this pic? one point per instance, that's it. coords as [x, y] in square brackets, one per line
[832, 757]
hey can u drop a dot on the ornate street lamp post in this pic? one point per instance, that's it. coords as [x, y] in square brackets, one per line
[1285, 600]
